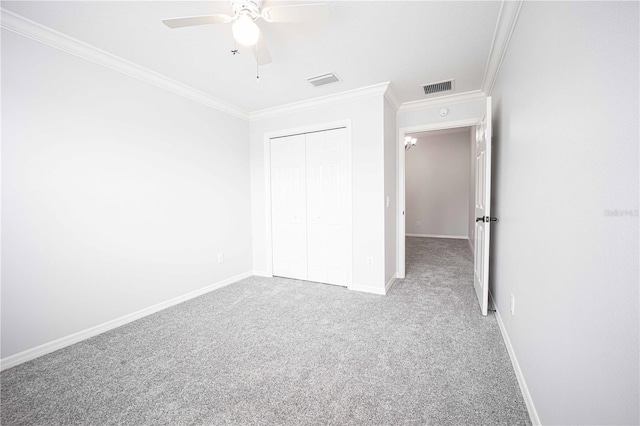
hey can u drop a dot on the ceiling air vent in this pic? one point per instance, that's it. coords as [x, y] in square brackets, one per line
[321, 80]
[440, 86]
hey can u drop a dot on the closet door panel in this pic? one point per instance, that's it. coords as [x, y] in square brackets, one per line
[289, 207]
[327, 241]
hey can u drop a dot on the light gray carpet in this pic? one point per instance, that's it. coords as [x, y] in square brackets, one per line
[279, 351]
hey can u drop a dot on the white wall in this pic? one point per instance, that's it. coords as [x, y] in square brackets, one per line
[116, 195]
[565, 160]
[366, 116]
[390, 190]
[437, 184]
[458, 111]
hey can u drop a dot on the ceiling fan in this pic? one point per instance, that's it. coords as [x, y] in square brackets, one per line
[245, 13]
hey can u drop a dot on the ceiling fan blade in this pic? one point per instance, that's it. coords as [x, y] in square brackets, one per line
[261, 52]
[191, 21]
[296, 13]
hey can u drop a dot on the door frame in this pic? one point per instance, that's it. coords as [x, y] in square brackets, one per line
[401, 225]
[320, 127]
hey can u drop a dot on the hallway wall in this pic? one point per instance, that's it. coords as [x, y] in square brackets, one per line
[566, 196]
[437, 184]
[391, 193]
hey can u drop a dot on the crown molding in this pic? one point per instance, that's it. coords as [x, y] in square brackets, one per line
[457, 98]
[390, 95]
[45, 35]
[322, 101]
[507, 18]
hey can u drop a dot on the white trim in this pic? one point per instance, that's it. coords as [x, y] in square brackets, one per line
[466, 122]
[454, 237]
[262, 274]
[45, 35]
[390, 95]
[471, 246]
[390, 284]
[507, 18]
[267, 178]
[267, 205]
[38, 351]
[401, 226]
[533, 414]
[322, 101]
[456, 98]
[400, 213]
[367, 289]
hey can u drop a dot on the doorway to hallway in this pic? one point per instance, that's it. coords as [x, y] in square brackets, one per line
[438, 184]
[479, 220]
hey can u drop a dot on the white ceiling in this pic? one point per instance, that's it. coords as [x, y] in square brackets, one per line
[364, 42]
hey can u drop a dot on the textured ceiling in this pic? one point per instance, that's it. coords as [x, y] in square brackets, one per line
[364, 42]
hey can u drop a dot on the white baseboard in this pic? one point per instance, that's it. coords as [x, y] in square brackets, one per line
[390, 284]
[262, 274]
[367, 289]
[456, 237]
[471, 246]
[533, 414]
[38, 351]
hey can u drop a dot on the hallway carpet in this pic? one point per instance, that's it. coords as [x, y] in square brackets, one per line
[281, 351]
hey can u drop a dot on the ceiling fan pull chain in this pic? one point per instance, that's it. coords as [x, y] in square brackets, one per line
[257, 64]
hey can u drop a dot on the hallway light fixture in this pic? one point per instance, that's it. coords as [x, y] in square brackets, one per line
[409, 142]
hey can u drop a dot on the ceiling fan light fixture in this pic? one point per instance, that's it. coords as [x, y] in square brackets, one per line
[245, 31]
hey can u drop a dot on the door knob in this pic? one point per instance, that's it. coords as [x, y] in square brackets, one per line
[486, 219]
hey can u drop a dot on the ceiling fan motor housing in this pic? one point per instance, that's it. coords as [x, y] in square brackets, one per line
[249, 7]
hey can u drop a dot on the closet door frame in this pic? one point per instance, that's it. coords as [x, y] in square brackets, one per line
[267, 179]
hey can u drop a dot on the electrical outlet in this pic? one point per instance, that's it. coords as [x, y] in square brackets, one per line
[513, 305]
[388, 201]
[418, 223]
[220, 257]
[370, 261]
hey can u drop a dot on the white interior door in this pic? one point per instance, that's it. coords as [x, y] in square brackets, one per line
[483, 209]
[327, 198]
[289, 207]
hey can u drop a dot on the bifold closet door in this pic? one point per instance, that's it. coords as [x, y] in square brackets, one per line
[289, 207]
[309, 207]
[327, 170]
